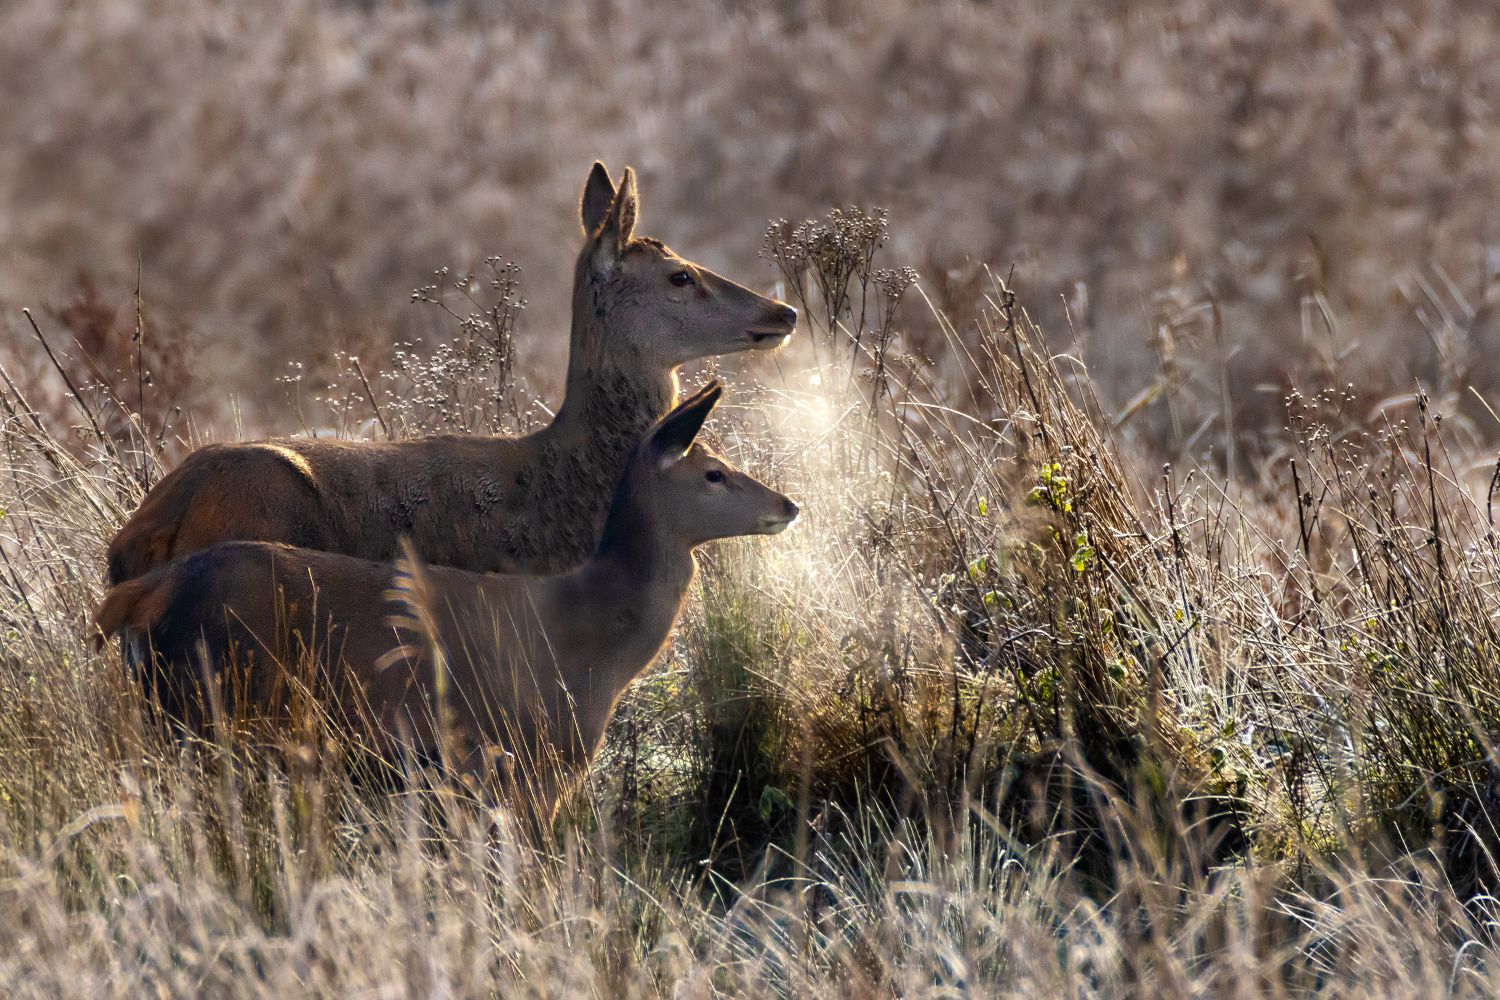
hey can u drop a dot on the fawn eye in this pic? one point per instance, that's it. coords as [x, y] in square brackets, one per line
[714, 475]
[681, 279]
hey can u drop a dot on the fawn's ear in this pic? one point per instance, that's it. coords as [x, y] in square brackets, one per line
[674, 435]
[618, 224]
[598, 196]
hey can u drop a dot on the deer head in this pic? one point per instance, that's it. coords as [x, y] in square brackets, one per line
[655, 304]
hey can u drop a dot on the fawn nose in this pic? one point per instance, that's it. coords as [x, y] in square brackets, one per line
[785, 315]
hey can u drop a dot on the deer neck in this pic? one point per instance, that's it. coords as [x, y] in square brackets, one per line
[613, 395]
[576, 461]
[611, 405]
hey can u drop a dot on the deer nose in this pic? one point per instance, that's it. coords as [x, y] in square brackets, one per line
[792, 510]
[785, 314]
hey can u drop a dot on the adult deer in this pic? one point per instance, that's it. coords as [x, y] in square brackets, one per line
[534, 504]
[510, 678]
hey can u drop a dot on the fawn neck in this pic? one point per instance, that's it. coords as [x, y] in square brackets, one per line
[632, 588]
[637, 549]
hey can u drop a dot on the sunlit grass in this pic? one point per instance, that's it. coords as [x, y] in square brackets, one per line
[1001, 714]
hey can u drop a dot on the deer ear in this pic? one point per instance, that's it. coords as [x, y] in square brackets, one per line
[674, 435]
[627, 206]
[619, 223]
[598, 196]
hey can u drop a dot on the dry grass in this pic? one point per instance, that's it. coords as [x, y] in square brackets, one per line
[999, 717]
[1015, 710]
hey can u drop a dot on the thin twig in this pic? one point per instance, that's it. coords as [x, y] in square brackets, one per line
[73, 389]
[370, 395]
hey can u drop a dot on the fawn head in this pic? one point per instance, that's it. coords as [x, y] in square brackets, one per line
[662, 306]
[692, 494]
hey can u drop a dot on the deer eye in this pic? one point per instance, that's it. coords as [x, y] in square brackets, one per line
[714, 475]
[681, 279]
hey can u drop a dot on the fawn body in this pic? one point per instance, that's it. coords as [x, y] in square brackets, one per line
[532, 666]
[522, 505]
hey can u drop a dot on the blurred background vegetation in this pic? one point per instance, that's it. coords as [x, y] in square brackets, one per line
[1140, 631]
[1171, 181]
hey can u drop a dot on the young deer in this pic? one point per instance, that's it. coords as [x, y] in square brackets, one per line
[518, 505]
[532, 667]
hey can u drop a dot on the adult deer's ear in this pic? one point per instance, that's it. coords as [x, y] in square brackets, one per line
[598, 196]
[674, 435]
[619, 224]
[627, 207]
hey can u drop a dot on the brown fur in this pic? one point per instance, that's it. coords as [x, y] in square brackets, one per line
[534, 504]
[533, 666]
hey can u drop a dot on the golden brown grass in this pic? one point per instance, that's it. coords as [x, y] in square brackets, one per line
[999, 717]
[1015, 710]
